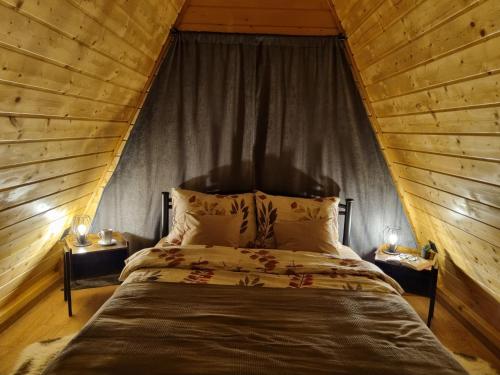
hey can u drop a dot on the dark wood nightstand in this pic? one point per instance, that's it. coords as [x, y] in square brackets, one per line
[422, 283]
[84, 262]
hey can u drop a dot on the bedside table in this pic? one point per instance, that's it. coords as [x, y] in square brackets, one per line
[422, 283]
[83, 262]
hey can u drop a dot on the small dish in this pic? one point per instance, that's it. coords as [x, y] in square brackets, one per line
[102, 243]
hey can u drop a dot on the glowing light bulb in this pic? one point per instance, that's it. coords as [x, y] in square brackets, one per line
[81, 229]
[393, 238]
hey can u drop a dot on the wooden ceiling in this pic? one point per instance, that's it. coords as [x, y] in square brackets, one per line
[291, 17]
[429, 73]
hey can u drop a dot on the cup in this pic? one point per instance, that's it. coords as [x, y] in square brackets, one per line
[106, 236]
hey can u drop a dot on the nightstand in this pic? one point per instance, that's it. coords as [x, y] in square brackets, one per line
[422, 283]
[84, 262]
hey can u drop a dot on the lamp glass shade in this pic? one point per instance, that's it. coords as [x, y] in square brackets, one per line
[80, 227]
[391, 237]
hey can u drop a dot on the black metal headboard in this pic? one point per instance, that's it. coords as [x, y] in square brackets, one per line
[344, 209]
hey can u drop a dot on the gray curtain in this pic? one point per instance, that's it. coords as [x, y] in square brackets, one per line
[241, 112]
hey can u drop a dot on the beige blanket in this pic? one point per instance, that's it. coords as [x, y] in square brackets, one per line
[155, 326]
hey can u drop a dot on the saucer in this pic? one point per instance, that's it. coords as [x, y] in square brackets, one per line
[102, 243]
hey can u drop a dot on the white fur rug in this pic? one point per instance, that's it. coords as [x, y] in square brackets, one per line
[35, 358]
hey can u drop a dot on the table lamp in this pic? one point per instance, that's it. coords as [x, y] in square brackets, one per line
[391, 236]
[80, 228]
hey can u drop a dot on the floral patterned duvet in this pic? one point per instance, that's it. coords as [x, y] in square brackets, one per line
[243, 267]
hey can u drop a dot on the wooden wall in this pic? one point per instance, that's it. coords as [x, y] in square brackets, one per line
[72, 75]
[430, 77]
[290, 17]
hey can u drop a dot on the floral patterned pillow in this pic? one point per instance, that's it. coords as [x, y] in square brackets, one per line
[197, 203]
[275, 208]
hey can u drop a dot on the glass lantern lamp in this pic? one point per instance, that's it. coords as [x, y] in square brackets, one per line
[80, 228]
[391, 236]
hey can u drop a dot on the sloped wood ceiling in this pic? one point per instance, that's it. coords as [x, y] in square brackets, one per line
[429, 71]
[72, 75]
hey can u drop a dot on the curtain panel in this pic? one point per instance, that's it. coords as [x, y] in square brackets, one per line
[241, 112]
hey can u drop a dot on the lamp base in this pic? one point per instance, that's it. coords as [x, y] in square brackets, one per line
[391, 250]
[86, 243]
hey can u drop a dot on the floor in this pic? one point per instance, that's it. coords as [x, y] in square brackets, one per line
[49, 319]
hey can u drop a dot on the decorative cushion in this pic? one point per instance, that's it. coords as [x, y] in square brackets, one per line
[241, 205]
[218, 230]
[311, 235]
[275, 208]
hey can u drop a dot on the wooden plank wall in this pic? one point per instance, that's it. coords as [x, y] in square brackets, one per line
[430, 77]
[72, 76]
[290, 17]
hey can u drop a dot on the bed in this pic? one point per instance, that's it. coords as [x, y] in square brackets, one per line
[210, 309]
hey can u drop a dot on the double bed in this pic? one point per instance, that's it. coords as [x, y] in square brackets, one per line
[212, 309]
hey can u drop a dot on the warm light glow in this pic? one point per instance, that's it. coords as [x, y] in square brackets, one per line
[57, 226]
[81, 229]
[393, 238]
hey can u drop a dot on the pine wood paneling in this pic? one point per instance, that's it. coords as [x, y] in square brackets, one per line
[256, 17]
[458, 33]
[22, 212]
[461, 145]
[26, 297]
[24, 33]
[459, 186]
[479, 120]
[475, 61]
[24, 227]
[12, 177]
[29, 152]
[22, 194]
[72, 76]
[23, 255]
[63, 17]
[471, 254]
[30, 274]
[259, 4]
[21, 101]
[409, 27]
[480, 170]
[475, 210]
[429, 71]
[259, 17]
[122, 23]
[484, 91]
[357, 12]
[15, 274]
[380, 19]
[35, 72]
[476, 228]
[29, 243]
[26, 129]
